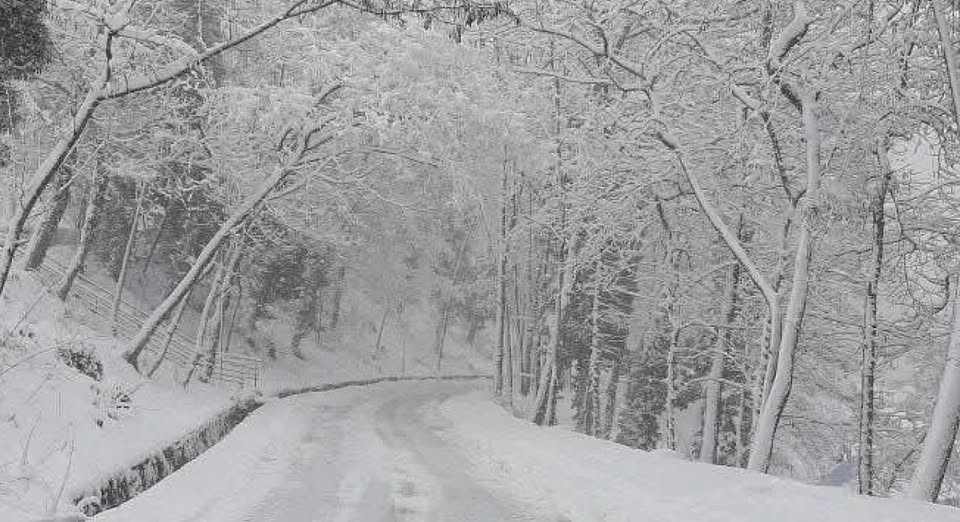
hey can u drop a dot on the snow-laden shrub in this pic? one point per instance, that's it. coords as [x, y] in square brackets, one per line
[82, 359]
[112, 401]
[18, 341]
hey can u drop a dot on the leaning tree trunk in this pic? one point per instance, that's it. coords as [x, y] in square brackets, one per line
[45, 173]
[440, 336]
[91, 217]
[102, 90]
[43, 236]
[546, 389]
[377, 344]
[125, 262]
[942, 433]
[171, 332]
[239, 216]
[223, 298]
[208, 303]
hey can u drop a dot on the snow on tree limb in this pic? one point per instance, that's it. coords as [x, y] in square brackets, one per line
[789, 37]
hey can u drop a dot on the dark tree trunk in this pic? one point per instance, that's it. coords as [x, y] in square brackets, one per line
[43, 236]
[125, 261]
[338, 297]
[309, 301]
[212, 292]
[610, 408]
[865, 471]
[91, 217]
[171, 332]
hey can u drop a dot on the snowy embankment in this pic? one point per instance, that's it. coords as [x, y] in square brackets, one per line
[222, 483]
[63, 432]
[589, 479]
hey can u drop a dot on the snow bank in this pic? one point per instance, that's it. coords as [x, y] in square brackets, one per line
[62, 432]
[230, 480]
[128, 483]
[588, 479]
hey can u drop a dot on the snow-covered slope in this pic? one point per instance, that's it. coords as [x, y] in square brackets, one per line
[589, 479]
[62, 431]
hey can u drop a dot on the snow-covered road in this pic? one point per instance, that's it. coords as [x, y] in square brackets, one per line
[364, 454]
[442, 451]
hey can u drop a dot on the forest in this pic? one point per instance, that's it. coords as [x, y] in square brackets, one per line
[727, 229]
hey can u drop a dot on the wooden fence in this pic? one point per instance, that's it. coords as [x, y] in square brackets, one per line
[87, 297]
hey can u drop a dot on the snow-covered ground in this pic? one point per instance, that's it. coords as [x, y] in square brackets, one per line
[443, 451]
[61, 431]
[590, 479]
[358, 454]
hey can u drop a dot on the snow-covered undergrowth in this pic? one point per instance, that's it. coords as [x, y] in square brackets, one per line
[349, 352]
[589, 479]
[63, 431]
[343, 353]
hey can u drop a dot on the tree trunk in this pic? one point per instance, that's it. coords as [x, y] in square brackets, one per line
[508, 345]
[473, 329]
[547, 379]
[591, 417]
[711, 416]
[236, 310]
[869, 344]
[338, 297]
[546, 399]
[611, 407]
[200, 341]
[942, 434]
[742, 431]
[223, 299]
[545, 410]
[498, 350]
[446, 303]
[91, 217]
[43, 235]
[153, 244]
[537, 354]
[773, 405]
[440, 337]
[669, 415]
[125, 262]
[102, 90]
[171, 332]
[502, 326]
[309, 298]
[45, 173]
[711, 413]
[239, 216]
[383, 323]
[527, 353]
